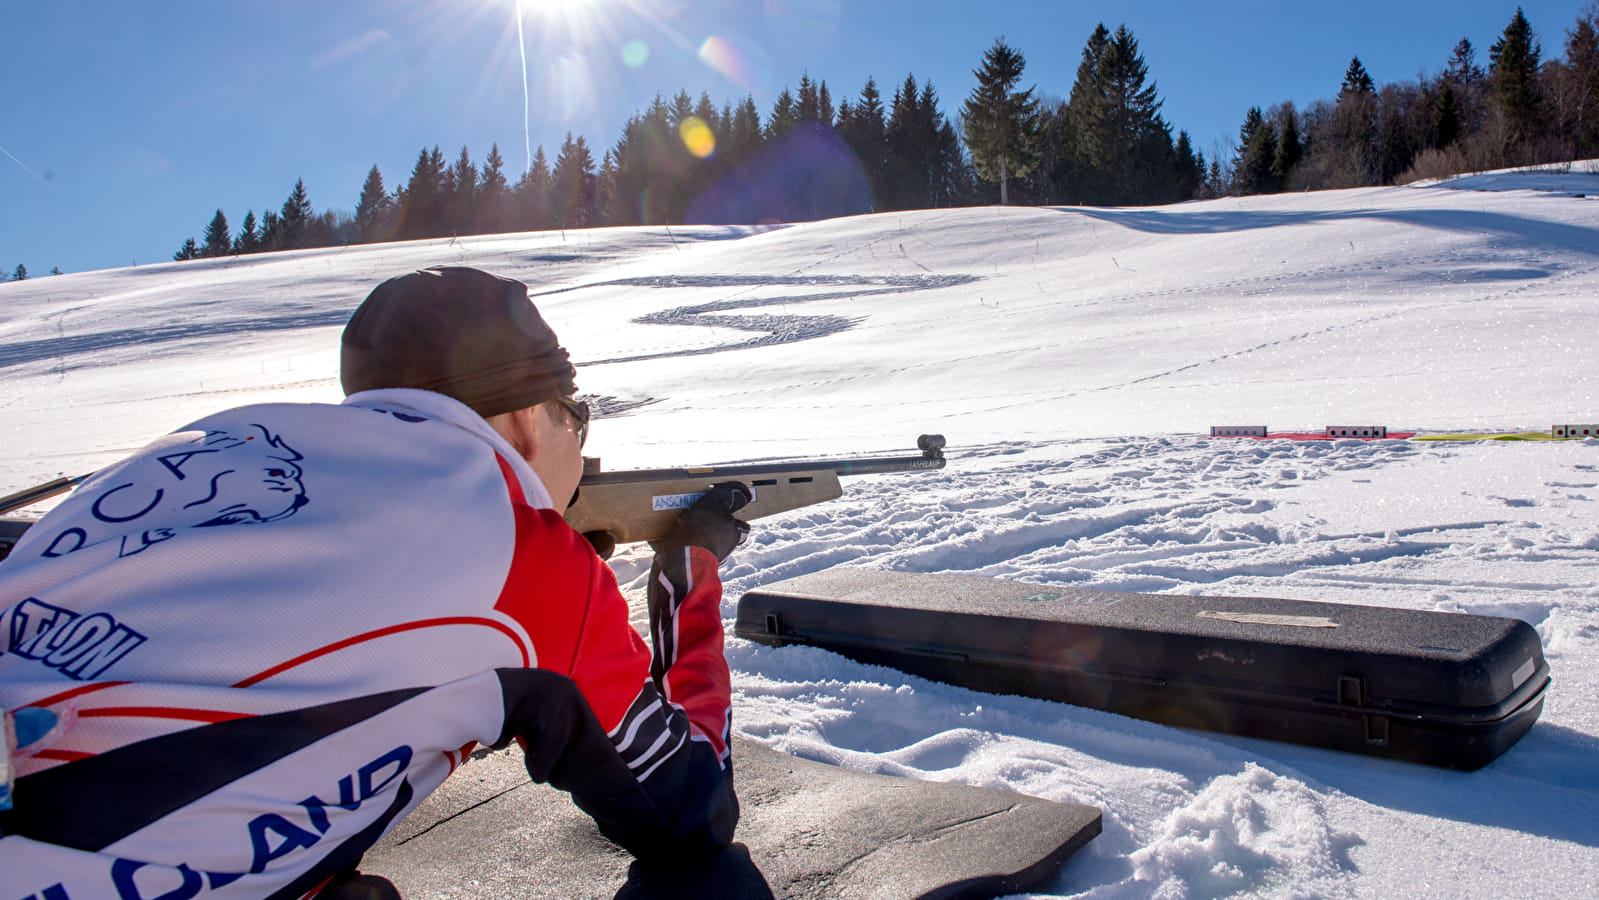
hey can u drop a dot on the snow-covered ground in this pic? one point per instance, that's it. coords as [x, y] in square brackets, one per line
[1074, 357]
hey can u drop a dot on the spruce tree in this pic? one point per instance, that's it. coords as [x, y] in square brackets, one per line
[1000, 122]
[610, 207]
[1290, 148]
[1121, 146]
[1144, 164]
[20, 273]
[1513, 66]
[189, 250]
[1513, 77]
[744, 132]
[463, 194]
[1578, 84]
[1083, 178]
[572, 184]
[248, 241]
[1190, 168]
[785, 115]
[55, 270]
[1356, 125]
[1446, 124]
[1257, 148]
[372, 209]
[864, 129]
[218, 240]
[493, 199]
[531, 196]
[1463, 70]
[908, 139]
[421, 201]
[295, 220]
[814, 103]
[271, 231]
[1356, 80]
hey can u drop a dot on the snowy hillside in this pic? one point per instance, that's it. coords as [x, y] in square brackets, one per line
[1073, 357]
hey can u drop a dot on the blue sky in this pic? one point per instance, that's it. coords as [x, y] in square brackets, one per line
[126, 125]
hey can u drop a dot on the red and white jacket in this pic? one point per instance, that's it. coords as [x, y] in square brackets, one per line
[283, 626]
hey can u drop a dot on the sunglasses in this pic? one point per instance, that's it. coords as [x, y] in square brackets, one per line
[579, 411]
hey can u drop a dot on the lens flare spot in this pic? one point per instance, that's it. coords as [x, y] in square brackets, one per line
[697, 137]
[718, 53]
[635, 54]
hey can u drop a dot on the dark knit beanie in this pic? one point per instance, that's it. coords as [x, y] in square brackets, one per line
[460, 332]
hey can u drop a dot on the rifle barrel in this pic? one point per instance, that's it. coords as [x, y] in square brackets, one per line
[30, 496]
[932, 458]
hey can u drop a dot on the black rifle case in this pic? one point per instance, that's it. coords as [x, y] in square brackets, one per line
[1443, 689]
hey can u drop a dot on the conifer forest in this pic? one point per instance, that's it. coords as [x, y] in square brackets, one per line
[1104, 142]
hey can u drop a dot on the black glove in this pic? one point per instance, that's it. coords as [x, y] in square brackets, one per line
[709, 523]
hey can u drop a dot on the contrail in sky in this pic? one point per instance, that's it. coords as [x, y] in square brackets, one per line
[527, 128]
[25, 166]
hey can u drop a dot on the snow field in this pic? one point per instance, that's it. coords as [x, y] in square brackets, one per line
[1073, 357]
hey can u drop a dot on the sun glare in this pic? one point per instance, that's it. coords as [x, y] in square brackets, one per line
[574, 19]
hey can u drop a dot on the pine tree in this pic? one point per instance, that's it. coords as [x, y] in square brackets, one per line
[744, 133]
[864, 129]
[531, 196]
[463, 194]
[271, 231]
[295, 219]
[421, 201]
[610, 206]
[248, 241]
[1190, 168]
[1290, 148]
[1463, 70]
[1356, 80]
[1082, 178]
[1001, 123]
[572, 185]
[218, 240]
[815, 104]
[1447, 121]
[1578, 86]
[785, 115]
[1514, 62]
[1257, 147]
[20, 273]
[189, 250]
[1356, 126]
[372, 218]
[1121, 146]
[55, 270]
[493, 194]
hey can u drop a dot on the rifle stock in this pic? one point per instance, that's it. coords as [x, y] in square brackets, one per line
[641, 505]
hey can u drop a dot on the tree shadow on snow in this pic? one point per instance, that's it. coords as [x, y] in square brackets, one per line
[1538, 233]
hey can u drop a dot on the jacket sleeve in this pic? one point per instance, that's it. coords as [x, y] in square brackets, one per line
[639, 739]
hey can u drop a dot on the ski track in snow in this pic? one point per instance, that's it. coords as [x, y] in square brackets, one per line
[774, 329]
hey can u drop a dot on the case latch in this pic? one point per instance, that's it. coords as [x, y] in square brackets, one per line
[1352, 692]
[774, 628]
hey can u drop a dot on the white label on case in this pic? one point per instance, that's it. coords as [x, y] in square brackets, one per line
[1523, 672]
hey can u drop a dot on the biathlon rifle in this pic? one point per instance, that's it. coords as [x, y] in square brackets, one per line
[623, 507]
[641, 504]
